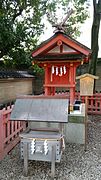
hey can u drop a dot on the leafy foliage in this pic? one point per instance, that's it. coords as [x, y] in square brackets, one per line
[21, 26]
[36, 70]
[72, 24]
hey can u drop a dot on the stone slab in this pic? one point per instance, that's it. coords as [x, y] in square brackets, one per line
[75, 133]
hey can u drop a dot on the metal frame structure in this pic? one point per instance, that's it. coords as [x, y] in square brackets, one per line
[41, 143]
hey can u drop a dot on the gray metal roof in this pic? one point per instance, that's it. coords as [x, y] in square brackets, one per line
[40, 109]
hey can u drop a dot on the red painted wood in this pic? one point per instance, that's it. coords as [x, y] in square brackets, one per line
[61, 53]
[74, 45]
[47, 89]
[12, 129]
[9, 147]
[9, 131]
[72, 83]
[13, 134]
[60, 79]
[94, 103]
[1, 135]
[46, 47]
[60, 85]
[66, 80]
[68, 41]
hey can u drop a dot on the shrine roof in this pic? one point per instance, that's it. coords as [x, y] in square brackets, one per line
[47, 45]
[60, 57]
[87, 75]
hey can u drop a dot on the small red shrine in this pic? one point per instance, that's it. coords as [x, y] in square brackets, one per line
[60, 55]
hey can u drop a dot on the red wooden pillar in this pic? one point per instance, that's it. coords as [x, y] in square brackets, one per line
[47, 89]
[53, 91]
[72, 83]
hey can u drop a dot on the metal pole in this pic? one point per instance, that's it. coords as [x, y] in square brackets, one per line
[25, 159]
[86, 107]
[61, 127]
[53, 161]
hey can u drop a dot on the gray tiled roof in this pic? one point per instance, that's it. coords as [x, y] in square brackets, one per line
[14, 74]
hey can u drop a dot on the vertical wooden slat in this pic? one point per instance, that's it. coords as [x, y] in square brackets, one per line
[12, 128]
[19, 124]
[16, 127]
[24, 125]
[100, 105]
[1, 135]
[96, 100]
[8, 123]
[94, 103]
[91, 104]
[7, 130]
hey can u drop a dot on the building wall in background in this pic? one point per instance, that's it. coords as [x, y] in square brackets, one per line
[11, 88]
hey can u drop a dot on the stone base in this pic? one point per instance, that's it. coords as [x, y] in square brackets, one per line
[75, 133]
[74, 130]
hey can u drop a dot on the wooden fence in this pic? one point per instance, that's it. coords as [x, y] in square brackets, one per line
[94, 103]
[9, 131]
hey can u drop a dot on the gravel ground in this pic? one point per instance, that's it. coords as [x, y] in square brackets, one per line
[76, 164]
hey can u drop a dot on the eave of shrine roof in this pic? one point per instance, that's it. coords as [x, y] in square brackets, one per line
[51, 43]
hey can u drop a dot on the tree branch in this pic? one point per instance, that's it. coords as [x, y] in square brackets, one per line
[94, 5]
[99, 3]
[17, 14]
[99, 6]
[68, 15]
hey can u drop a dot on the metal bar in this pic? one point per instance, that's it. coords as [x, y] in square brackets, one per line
[25, 159]
[45, 129]
[53, 161]
[86, 106]
[61, 127]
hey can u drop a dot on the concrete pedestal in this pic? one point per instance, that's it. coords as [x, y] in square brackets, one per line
[75, 133]
[74, 130]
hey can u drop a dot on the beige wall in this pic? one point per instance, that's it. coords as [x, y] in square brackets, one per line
[11, 88]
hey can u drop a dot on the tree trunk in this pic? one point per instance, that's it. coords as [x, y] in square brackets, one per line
[95, 36]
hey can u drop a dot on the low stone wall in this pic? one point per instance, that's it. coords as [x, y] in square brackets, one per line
[11, 88]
